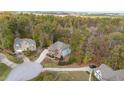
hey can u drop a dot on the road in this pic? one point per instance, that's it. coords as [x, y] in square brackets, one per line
[5, 60]
[28, 71]
[68, 69]
[26, 59]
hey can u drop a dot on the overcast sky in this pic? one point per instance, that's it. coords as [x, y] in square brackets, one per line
[63, 5]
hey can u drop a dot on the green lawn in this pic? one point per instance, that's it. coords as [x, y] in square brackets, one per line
[14, 59]
[47, 76]
[50, 64]
[4, 71]
[63, 76]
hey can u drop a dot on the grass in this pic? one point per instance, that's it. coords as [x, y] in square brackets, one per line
[63, 76]
[47, 76]
[32, 55]
[4, 71]
[50, 64]
[13, 58]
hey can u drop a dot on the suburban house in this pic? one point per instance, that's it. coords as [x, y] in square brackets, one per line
[25, 44]
[59, 50]
[105, 73]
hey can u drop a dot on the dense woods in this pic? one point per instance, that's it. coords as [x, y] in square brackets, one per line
[92, 39]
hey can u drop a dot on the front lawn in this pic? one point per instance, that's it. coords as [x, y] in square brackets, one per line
[63, 76]
[4, 71]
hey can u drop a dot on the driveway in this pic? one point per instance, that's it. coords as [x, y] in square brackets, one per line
[42, 56]
[28, 70]
[68, 69]
[25, 71]
[5, 60]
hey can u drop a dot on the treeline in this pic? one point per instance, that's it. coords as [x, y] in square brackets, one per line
[92, 39]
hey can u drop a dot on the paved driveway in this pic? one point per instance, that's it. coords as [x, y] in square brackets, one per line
[6, 61]
[42, 56]
[25, 71]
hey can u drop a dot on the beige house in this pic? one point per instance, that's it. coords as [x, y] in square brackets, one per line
[59, 50]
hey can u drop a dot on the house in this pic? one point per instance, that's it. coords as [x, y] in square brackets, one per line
[119, 74]
[25, 44]
[105, 73]
[59, 50]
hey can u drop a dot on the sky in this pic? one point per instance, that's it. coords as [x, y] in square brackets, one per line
[63, 5]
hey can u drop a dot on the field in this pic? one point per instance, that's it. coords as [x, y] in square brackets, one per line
[64, 76]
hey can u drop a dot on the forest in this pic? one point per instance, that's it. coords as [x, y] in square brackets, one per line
[93, 39]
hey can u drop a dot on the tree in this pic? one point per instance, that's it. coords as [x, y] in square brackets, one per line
[6, 36]
[75, 44]
[116, 59]
[37, 34]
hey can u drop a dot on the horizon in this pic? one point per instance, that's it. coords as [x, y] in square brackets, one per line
[89, 12]
[83, 11]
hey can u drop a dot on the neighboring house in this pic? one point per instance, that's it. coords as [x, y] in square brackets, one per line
[59, 50]
[21, 45]
[120, 74]
[105, 73]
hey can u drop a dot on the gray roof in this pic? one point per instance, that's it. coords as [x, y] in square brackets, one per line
[58, 45]
[19, 41]
[120, 74]
[109, 74]
[106, 71]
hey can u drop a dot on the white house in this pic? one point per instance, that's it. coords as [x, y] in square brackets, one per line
[25, 44]
[105, 73]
